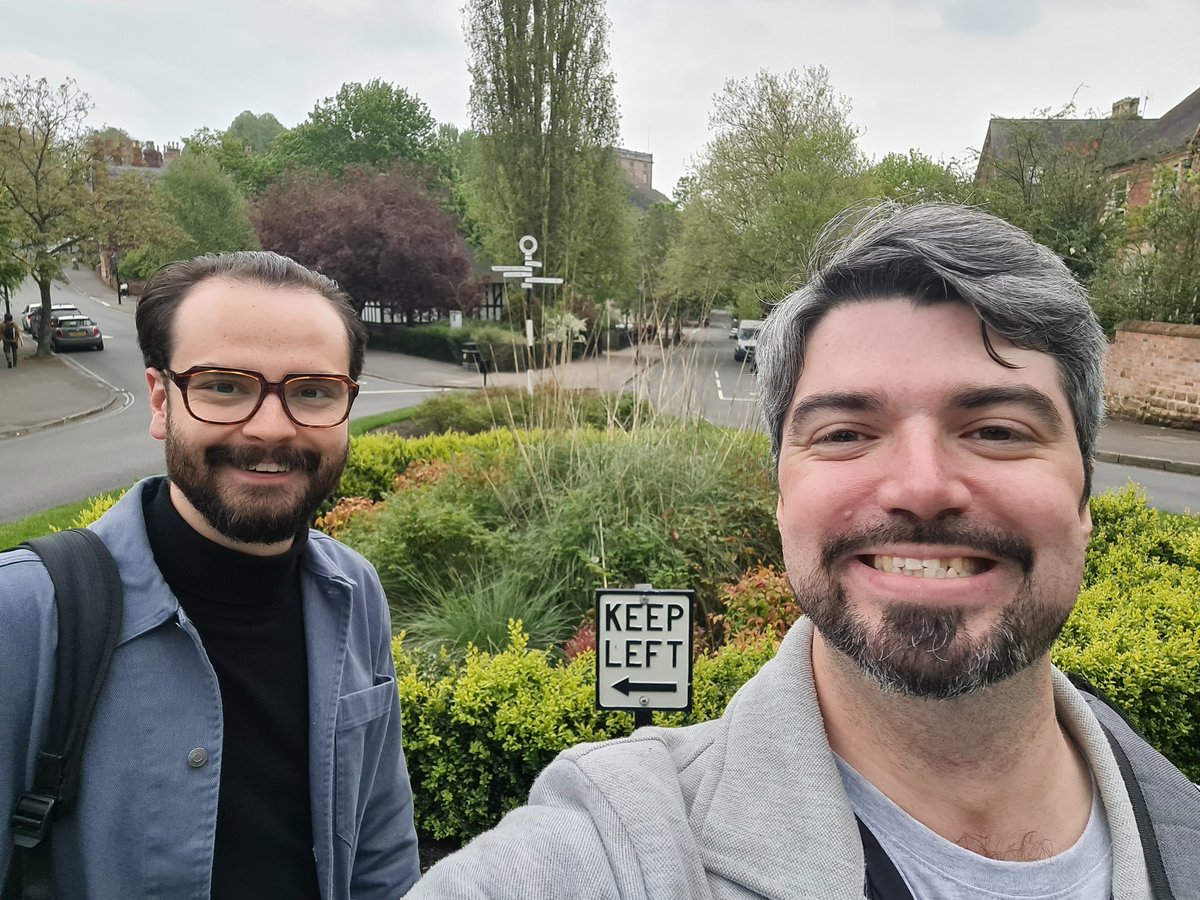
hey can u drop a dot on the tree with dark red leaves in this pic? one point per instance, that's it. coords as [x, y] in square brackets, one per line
[381, 236]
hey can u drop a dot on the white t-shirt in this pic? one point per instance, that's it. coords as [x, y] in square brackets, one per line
[937, 869]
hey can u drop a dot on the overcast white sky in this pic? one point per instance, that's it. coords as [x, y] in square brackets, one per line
[919, 73]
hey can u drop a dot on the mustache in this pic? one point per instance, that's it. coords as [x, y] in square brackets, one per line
[244, 457]
[1001, 544]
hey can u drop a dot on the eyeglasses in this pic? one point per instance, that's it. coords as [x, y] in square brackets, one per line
[230, 396]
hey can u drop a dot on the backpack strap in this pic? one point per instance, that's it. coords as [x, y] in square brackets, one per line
[88, 598]
[1166, 805]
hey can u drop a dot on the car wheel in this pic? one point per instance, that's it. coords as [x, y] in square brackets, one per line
[99, 345]
[738, 355]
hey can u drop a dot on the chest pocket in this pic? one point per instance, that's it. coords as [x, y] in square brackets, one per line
[362, 720]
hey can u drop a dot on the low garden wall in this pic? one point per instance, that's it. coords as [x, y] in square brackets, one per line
[1154, 374]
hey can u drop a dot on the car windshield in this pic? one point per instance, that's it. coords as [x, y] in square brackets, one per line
[748, 333]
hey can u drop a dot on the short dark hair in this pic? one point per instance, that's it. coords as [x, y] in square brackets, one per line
[168, 286]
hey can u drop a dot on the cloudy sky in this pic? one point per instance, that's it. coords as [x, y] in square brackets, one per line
[919, 73]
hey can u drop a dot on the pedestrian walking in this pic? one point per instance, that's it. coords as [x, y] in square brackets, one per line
[13, 340]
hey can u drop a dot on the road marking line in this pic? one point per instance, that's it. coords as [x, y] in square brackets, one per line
[735, 399]
[424, 390]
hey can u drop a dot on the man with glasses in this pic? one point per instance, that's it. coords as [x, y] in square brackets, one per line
[247, 739]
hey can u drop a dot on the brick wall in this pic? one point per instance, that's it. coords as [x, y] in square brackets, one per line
[1154, 374]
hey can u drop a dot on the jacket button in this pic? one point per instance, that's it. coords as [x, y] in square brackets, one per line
[197, 757]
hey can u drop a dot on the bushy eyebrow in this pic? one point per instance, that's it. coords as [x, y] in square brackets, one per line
[835, 401]
[1037, 402]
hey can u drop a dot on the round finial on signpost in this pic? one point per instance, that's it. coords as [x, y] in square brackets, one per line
[528, 245]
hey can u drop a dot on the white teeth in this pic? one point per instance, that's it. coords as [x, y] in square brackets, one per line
[268, 467]
[953, 567]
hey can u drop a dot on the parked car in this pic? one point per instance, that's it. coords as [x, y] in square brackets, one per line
[25, 314]
[56, 312]
[747, 339]
[76, 331]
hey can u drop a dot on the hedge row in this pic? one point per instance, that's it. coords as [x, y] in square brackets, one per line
[477, 732]
[503, 350]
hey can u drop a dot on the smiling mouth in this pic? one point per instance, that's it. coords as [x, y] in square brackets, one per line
[934, 567]
[268, 468]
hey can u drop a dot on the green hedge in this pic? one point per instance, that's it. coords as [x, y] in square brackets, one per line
[1135, 631]
[504, 349]
[477, 732]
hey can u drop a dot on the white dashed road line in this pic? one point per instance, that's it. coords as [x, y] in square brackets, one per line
[721, 394]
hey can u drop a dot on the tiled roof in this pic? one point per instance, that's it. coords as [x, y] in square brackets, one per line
[1122, 140]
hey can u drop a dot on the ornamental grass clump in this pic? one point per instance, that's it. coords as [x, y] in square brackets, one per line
[561, 513]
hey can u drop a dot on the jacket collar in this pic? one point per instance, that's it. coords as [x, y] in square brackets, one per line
[148, 601]
[775, 776]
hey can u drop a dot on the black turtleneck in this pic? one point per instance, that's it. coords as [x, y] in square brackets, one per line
[248, 613]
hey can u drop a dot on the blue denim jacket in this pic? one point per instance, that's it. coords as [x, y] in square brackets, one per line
[146, 820]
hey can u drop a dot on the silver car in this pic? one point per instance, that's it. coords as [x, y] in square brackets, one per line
[76, 331]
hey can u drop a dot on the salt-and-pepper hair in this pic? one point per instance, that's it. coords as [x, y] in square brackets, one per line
[935, 253]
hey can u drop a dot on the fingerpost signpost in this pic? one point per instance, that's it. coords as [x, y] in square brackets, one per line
[644, 651]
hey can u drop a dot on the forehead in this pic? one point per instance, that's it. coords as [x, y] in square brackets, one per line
[894, 348]
[242, 324]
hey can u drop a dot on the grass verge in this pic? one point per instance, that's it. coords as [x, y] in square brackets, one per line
[369, 423]
[57, 519]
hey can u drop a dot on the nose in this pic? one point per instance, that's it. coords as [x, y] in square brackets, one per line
[271, 422]
[923, 476]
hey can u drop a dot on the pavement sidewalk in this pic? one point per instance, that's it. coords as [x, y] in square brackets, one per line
[41, 393]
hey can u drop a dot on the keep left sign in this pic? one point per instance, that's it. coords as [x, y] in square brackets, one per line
[644, 649]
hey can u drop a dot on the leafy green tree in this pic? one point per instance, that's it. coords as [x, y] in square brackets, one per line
[915, 178]
[12, 273]
[256, 132]
[46, 178]
[373, 125]
[1157, 277]
[545, 119]
[783, 159]
[657, 231]
[210, 214]
[251, 172]
[1051, 178]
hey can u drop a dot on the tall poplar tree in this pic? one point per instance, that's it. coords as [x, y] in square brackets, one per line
[543, 162]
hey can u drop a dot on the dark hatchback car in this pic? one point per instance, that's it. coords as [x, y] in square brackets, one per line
[76, 331]
[57, 312]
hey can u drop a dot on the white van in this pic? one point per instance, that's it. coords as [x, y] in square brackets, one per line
[747, 339]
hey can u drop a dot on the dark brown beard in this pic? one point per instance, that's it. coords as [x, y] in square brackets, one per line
[265, 517]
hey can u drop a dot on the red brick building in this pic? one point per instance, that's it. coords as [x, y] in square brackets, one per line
[1129, 146]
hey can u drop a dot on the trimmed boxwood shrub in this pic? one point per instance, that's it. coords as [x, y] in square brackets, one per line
[478, 731]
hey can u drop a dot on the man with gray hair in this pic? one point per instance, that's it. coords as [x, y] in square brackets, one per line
[933, 395]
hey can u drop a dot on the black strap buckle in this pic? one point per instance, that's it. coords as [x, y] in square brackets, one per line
[31, 818]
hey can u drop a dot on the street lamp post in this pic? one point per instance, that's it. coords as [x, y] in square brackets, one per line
[528, 245]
